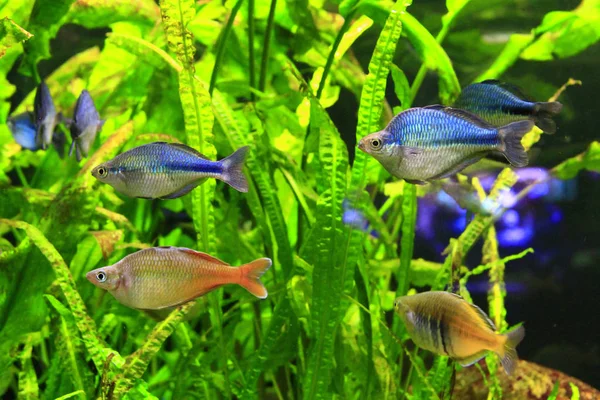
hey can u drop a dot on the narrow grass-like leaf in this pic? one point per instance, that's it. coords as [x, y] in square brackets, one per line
[328, 274]
[28, 383]
[136, 363]
[197, 111]
[574, 391]
[69, 347]
[238, 137]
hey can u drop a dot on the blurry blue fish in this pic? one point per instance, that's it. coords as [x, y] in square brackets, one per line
[435, 142]
[45, 116]
[354, 218]
[169, 170]
[85, 125]
[23, 130]
[501, 103]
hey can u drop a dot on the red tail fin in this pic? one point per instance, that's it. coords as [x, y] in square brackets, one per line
[251, 277]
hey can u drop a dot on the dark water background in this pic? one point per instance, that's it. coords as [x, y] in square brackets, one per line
[555, 291]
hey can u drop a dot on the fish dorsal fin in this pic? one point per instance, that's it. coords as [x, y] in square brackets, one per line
[435, 107]
[201, 255]
[186, 148]
[508, 87]
[467, 116]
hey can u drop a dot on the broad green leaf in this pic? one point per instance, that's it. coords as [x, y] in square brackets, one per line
[45, 20]
[565, 33]
[588, 160]
[11, 34]
[401, 87]
[101, 13]
[434, 57]
[509, 55]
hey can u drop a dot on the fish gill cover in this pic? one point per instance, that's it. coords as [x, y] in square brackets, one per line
[300, 83]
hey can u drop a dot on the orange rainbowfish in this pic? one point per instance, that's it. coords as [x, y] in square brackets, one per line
[446, 324]
[161, 277]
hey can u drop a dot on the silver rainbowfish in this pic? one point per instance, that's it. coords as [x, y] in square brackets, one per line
[446, 324]
[169, 170]
[435, 142]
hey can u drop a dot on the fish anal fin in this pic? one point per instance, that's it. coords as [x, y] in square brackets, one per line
[470, 360]
[460, 166]
[184, 190]
[415, 181]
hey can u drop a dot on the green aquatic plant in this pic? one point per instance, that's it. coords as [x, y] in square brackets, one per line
[218, 76]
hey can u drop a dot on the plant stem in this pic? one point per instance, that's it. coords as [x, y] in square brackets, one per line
[266, 46]
[251, 48]
[336, 44]
[221, 45]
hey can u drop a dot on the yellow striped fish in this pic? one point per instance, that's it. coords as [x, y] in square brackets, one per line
[446, 324]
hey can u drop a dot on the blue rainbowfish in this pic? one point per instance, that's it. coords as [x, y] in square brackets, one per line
[85, 125]
[23, 130]
[446, 324]
[169, 170]
[45, 116]
[501, 103]
[435, 142]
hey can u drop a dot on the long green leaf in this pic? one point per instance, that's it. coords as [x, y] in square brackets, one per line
[97, 350]
[588, 160]
[328, 274]
[28, 383]
[197, 111]
[434, 57]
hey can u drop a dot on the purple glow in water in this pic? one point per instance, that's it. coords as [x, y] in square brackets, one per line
[511, 218]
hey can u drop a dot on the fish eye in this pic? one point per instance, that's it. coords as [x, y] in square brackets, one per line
[102, 172]
[375, 143]
[101, 276]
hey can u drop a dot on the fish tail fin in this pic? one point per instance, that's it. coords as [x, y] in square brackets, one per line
[232, 170]
[251, 274]
[510, 358]
[511, 136]
[543, 113]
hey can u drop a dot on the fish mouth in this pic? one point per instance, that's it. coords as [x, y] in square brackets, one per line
[361, 146]
[90, 276]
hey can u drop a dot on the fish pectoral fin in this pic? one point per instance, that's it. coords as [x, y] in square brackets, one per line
[460, 166]
[410, 152]
[184, 190]
[468, 361]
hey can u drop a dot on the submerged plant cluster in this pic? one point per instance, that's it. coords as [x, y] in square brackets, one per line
[338, 227]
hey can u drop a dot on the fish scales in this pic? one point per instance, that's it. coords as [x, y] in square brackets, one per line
[166, 170]
[446, 324]
[161, 277]
[434, 142]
